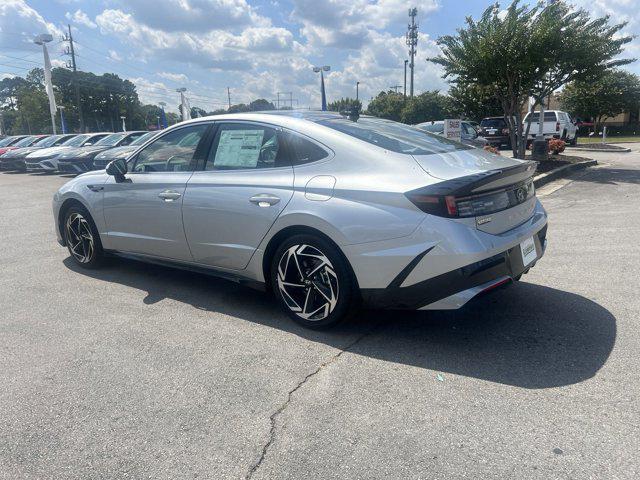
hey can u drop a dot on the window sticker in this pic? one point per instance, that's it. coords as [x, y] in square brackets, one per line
[239, 148]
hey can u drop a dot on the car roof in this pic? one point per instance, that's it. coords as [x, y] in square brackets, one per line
[284, 118]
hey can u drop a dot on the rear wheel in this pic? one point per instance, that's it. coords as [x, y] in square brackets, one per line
[574, 140]
[81, 237]
[313, 282]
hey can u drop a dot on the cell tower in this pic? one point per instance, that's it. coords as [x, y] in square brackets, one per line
[412, 43]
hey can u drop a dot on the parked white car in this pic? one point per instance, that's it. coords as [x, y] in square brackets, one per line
[556, 124]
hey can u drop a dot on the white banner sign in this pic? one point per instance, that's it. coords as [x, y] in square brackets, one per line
[452, 129]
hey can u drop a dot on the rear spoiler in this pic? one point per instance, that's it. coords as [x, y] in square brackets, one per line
[482, 181]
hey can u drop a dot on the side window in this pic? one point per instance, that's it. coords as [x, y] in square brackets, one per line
[172, 152]
[239, 146]
[304, 151]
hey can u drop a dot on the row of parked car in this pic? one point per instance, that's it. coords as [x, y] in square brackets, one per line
[67, 153]
[495, 131]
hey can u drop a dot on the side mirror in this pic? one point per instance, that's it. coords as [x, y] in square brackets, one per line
[117, 168]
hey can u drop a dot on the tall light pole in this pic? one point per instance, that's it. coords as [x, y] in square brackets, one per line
[412, 43]
[405, 77]
[124, 127]
[322, 69]
[62, 124]
[163, 114]
[182, 102]
[357, 90]
[43, 39]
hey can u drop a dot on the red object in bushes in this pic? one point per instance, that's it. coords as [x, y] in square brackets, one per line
[489, 148]
[556, 146]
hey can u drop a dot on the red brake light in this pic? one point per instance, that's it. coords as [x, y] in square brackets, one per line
[452, 208]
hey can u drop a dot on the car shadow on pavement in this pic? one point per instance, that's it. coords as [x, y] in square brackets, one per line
[525, 335]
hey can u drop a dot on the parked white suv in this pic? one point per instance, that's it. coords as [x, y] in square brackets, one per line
[556, 124]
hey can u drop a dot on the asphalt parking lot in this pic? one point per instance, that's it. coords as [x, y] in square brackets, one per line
[138, 371]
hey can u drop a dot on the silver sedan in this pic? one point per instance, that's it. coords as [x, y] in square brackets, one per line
[327, 212]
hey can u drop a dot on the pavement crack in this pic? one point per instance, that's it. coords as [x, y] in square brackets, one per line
[283, 407]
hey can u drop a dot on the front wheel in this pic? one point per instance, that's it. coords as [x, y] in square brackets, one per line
[81, 237]
[313, 282]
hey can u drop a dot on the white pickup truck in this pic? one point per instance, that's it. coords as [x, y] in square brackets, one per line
[556, 124]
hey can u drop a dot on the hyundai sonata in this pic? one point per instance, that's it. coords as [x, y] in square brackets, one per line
[47, 159]
[327, 212]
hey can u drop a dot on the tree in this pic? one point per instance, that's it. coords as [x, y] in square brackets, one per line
[473, 102]
[345, 105]
[529, 52]
[261, 104]
[615, 92]
[387, 105]
[430, 105]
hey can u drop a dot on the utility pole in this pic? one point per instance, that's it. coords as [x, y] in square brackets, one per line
[395, 88]
[229, 96]
[76, 87]
[412, 43]
[405, 77]
[357, 91]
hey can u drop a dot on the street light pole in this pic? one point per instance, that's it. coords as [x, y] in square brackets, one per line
[405, 77]
[323, 96]
[357, 91]
[62, 124]
[124, 127]
[182, 102]
[43, 39]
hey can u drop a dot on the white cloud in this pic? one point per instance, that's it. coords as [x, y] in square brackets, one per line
[115, 56]
[216, 49]
[195, 15]
[174, 77]
[349, 23]
[19, 23]
[80, 18]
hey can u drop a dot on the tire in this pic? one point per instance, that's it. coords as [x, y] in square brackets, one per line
[574, 140]
[82, 238]
[313, 282]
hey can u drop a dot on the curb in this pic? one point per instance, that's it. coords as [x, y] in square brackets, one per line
[611, 150]
[544, 178]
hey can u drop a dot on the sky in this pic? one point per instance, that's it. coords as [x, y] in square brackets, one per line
[257, 48]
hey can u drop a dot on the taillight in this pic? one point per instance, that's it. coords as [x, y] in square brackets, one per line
[557, 126]
[472, 205]
[505, 131]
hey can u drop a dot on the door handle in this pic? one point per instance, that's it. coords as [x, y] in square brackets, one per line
[264, 200]
[169, 195]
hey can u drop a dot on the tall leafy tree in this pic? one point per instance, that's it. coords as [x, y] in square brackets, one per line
[430, 105]
[387, 105]
[527, 52]
[473, 102]
[615, 92]
[345, 105]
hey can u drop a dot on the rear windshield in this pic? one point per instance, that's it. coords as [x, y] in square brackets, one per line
[76, 141]
[47, 141]
[111, 140]
[26, 142]
[393, 136]
[493, 123]
[535, 116]
[7, 141]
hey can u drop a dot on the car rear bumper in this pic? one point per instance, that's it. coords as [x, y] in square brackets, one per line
[453, 289]
[444, 263]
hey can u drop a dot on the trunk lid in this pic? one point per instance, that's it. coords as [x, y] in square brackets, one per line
[479, 176]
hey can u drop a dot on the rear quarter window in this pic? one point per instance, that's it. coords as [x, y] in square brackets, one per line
[303, 150]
